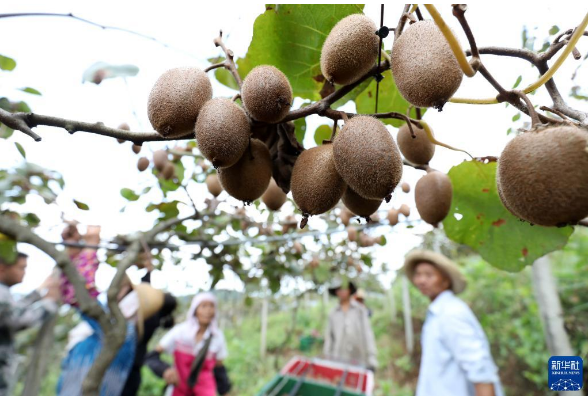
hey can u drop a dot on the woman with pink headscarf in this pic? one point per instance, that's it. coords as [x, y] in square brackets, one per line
[198, 347]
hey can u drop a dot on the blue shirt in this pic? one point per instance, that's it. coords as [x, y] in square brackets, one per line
[455, 351]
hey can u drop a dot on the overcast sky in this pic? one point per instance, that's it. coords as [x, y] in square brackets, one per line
[53, 53]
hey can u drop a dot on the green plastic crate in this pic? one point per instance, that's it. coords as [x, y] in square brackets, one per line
[308, 388]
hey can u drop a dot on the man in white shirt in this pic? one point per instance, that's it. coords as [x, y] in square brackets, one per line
[456, 358]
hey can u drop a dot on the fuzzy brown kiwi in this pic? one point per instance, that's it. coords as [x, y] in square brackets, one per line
[142, 164]
[266, 94]
[345, 216]
[367, 158]
[136, 148]
[176, 99]
[433, 194]
[213, 185]
[316, 186]
[249, 178]
[543, 175]
[222, 132]
[405, 186]
[425, 70]
[404, 210]
[350, 50]
[351, 234]
[160, 159]
[418, 150]
[274, 197]
[360, 206]
[393, 216]
[168, 171]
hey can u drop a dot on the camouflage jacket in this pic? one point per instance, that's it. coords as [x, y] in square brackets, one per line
[15, 316]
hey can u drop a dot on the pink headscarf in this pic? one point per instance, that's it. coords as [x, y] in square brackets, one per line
[190, 326]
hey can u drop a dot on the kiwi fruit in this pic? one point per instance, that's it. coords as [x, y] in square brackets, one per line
[393, 216]
[136, 148]
[213, 185]
[316, 186]
[405, 186]
[345, 216]
[351, 234]
[176, 99]
[501, 196]
[360, 206]
[424, 68]
[249, 178]
[142, 164]
[404, 210]
[266, 94]
[433, 194]
[418, 150]
[222, 132]
[367, 158]
[542, 175]
[274, 197]
[168, 171]
[350, 50]
[297, 247]
[160, 159]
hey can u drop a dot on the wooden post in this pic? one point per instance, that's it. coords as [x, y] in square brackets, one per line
[392, 303]
[408, 332]
[264, 312]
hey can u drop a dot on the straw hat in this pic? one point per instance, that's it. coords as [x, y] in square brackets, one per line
[150, 302]
[338, 283]
[458, 282]
[360, 293]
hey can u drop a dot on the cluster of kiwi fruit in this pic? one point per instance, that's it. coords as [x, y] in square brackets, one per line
[361, 166]
[181, 105]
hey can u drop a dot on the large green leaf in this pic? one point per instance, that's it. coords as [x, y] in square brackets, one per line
[389, 99]
[290, 37]
[490, 229]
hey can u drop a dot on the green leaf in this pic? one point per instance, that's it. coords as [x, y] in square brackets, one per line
[21, 150]
[290, 37]
[554, 29]
[7, 249]
[30, 90]
[300, 126]
[81, 206]
[323, 132]
[129, 194]
[389, 99]
[518, 82]
[32, 219]
[7, 63]
[516, 117]
[478, 219]
[223, 75]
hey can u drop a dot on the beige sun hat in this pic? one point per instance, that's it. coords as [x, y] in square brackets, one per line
[458, 282]
[150, 302]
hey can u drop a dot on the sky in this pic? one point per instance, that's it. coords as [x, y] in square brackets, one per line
[52, 54]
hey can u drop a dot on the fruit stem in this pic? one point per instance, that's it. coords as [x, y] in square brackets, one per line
[532, 112]
[451, 40]
[432, 139]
